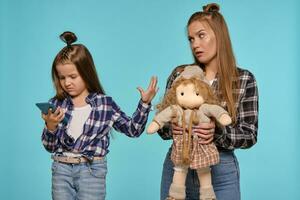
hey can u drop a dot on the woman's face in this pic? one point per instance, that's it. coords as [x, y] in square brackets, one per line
[202, 41]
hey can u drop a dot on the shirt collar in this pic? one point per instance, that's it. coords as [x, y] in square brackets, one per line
[89, 99]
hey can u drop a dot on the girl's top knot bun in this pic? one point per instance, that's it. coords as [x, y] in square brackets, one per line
[68, 37]
[212, 7]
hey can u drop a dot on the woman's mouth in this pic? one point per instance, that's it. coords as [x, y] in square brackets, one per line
[199, 53]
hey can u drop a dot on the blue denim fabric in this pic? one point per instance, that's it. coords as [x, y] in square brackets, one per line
[225, 178]
[83, 181]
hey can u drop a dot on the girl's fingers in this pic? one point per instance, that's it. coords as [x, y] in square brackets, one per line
[57, 111]
[44, 116]
[140, 90]
[154, 82]
[61, 117]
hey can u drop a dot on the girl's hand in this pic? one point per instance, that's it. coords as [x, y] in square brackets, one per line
[176, 130]
[149, 94]
[53, 119]
[205, 131]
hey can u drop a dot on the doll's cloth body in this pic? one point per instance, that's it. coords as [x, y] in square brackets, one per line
[200, 155]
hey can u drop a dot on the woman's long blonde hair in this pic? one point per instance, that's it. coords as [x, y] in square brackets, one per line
[228, 76]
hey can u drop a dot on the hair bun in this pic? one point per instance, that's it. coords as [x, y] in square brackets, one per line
[68, 37]
[212, 7]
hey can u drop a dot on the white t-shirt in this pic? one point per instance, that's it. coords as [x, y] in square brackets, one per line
[211, 81]
[75, 129]
[79, 117]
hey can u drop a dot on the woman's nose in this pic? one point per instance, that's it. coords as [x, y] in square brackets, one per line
[195, 44]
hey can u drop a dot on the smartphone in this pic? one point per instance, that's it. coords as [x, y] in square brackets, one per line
[45, 106]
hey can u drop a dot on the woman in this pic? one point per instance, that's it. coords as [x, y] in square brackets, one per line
[237, 91]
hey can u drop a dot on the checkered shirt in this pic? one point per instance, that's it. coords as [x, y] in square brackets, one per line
[94, 140]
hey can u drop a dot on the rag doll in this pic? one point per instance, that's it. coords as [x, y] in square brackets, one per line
[188, 102]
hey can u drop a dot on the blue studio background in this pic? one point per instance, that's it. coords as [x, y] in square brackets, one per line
[130, 41]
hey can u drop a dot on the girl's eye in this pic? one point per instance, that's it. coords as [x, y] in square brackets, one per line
[182, 93]
[73, 76]
[191, 40]
[61, 78]
[197, 93]
[201, 35]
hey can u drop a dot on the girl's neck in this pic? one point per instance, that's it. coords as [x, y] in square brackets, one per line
[79, 101]
[211, 70]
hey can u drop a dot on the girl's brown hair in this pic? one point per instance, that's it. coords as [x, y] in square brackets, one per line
[228, 75]
[80, 56]
[200, 86]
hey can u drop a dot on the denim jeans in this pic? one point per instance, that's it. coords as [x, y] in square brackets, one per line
[225, 178]
[84, 181]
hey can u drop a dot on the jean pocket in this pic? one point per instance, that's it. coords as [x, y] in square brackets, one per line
[98, 169]
[54, 167]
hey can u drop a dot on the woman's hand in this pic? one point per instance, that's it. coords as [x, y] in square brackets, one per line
[176, 130]
[205, 131]
[53, 119]
[150, 93]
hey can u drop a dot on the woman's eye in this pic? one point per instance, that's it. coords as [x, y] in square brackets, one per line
[201, 35]
[73, 76]
[197, 93]
[191, 40]
[61, 78]
[182, 93]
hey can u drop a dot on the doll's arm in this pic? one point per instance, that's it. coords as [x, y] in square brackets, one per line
[160, 119]
[219, 113]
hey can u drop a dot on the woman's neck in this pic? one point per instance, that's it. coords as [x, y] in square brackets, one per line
[211, 70]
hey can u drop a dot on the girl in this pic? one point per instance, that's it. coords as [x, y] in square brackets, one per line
[79, 146]
[236, 89]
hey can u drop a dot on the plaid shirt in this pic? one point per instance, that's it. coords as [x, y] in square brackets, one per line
[94, 140]
[244, 133]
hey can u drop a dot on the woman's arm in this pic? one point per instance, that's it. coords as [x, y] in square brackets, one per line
[243, 134]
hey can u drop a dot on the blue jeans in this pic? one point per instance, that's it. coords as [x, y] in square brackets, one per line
[225, 178]
[82, 181]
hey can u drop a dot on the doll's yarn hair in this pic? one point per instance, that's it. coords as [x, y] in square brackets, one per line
[200, 86]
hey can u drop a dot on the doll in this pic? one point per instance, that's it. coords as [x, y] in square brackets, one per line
[189, 101]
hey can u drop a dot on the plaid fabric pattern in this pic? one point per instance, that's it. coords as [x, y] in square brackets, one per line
[244, 133]
[200, 155]
[94, 140]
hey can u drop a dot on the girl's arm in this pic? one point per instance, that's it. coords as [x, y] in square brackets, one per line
[244, 133]
[133, 127]
[50, 132]
[50, 140]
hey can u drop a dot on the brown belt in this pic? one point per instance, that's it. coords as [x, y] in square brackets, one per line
[73, 160]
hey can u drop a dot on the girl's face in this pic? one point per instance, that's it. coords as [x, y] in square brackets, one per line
[71, 81]
[202, 41]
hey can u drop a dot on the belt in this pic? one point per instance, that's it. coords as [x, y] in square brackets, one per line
[73, 160]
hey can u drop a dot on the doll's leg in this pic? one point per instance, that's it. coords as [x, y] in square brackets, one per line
[177, 188]
[206, 189]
